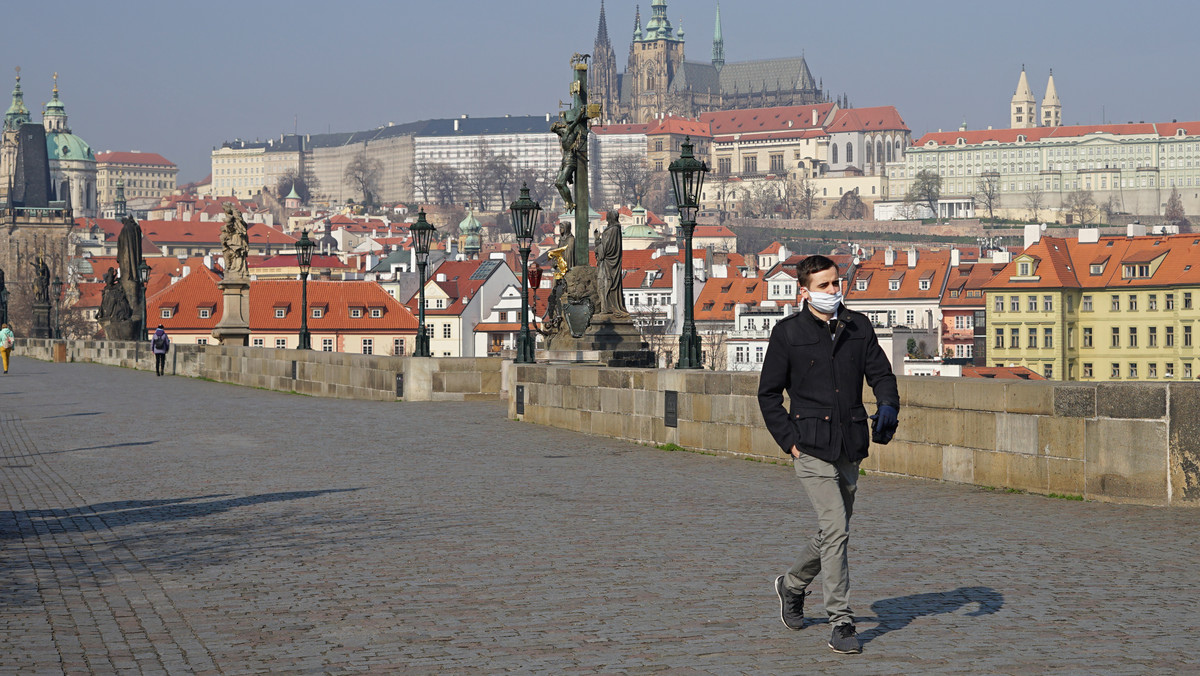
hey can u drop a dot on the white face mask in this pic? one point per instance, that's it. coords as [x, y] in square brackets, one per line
[825, 302]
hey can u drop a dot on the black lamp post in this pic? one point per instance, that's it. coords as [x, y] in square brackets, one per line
[58, 285]
[4, 305]
[143, 272]
[687, 179]
[524, 217]
[304, 253]
[423, 233]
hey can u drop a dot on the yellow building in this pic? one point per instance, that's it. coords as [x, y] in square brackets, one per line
[145, 175]
[1098, 308]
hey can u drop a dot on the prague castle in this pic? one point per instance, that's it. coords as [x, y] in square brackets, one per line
[659, 81]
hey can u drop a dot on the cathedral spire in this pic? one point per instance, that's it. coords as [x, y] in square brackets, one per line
[17, 114]
[54, 114]
[718, 55]
[1024, 106]
[602, 29]
[637, 25]
[1051, 105]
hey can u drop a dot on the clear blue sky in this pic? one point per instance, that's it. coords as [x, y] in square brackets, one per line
[180, 78]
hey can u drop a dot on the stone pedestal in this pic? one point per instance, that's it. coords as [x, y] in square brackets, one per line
[41, 321]
[234, 327]
[612, 341]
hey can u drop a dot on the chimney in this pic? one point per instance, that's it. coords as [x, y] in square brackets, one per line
[1033, 234]
[441, 276]
[912, 256]
[954, 260]
[456, 125]
[889, 256]
[1089, 235]
[814, 116]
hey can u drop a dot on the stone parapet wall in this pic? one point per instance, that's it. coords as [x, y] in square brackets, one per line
[1117, 442]
[324, 374]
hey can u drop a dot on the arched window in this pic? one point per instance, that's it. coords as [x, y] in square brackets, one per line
[889, 152]
[879, 151]
[870, 153]
[849, 153]
[64, 189]
[835, 161]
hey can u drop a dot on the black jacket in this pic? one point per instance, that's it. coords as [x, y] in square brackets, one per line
[823, 377]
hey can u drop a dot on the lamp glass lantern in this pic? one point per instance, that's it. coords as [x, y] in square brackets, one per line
[143, 273]
[304, 253]
[423, 233]
[687, 180]
[525, 213]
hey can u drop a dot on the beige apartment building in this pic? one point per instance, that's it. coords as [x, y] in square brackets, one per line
[145, 175]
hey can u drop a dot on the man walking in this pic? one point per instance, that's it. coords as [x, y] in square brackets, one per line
[820, 356]
[160, 345]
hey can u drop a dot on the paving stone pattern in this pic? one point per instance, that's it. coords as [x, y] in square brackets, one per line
[167, 525]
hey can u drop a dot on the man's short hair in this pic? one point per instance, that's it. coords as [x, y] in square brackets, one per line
[811, 266]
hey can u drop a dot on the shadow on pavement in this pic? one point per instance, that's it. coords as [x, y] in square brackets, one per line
[107, 516]
[100, 448]
[899, 612]
[70, 415]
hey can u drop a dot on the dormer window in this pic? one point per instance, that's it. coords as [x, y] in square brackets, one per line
[318, 312]
[205, 312]
[357, 312]
[923, 284]
[1096, 268]
[860, 285]
[376, 312]
[167, 312]
[280, 312]
[1023, 269]
[893, 285]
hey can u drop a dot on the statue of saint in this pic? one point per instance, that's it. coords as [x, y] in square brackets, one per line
[236, 243]
[129, 250]
[113, 303]
[608, 268]
[41, 280]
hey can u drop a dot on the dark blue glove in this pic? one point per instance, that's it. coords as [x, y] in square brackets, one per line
[885, 424]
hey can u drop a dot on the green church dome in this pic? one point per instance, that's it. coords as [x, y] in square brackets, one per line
[640, 231]
[62, 146]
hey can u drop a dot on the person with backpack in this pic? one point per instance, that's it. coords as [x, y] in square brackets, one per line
[160, 344]
[7, 339]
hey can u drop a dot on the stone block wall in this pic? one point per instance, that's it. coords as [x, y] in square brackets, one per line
[1118, 442]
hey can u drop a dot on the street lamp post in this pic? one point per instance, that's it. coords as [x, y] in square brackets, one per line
[304, 253]
[687, 179]
[143, 272]
[423, 233]
[524, 217]
[4, 305]
[58, 285]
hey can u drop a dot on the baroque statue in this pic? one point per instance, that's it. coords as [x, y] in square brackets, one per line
[41, 280]
[113, 304]
[608, 268]
[236, 243]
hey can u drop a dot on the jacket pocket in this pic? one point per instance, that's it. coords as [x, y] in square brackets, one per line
[813, 428]
[858, 432]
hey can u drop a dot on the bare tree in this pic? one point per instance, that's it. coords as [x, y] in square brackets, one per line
[304, 185]
[1174, 211]
[1081, 205]
[715, 355]
[1110, 208]
[477, 181]
[504, 179]
[444, 183]
[1035, 199]
[422, 181]
[926, 190]
[363, 174]
[987, 192]
[806, 196]
[763, 200]
[849, 207]
[540, 187]
[629, 175]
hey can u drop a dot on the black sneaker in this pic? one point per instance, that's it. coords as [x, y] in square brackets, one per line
[791, 605]
[844, 640]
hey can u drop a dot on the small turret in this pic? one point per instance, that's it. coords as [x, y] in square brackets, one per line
[718, 53]
[17, 114]
[1051, 106]
[1024, 111]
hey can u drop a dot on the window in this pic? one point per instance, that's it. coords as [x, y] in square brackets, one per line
[317, 313]
[750, 164]
[1169, 370]
[202, 341]
[205, 312]
[1187, 300]
[1116, 303]
[923, 284]
[1133, 336]
[1152, 370]
[724, 165]
[1032, 338]
[860, 285]
[910, 317]
[445, 330]
[376, 312]
[964, 322]
[327, 345]
[1187, 369]
[1087, 370]
[658, 146]
[1047, 303]
[1033, 303]
[893, 285]
[1014, 303]
[1116, 336]
[280, 313]
[1047, 338]
[257, 342]
[1000, 338]
[1152, 302]
[849, 153]
[777, 164]
[999, 304]
[1070, 304]
[398, 347]
[1170, 336]
[165, 313]
[1014, 338]
[1132, 302]
[1086, 306]
[1115, 374]
[281, 343]
[1152, 336]
[1187, 336]
[356, 312]
[1023, 269]
[1048, 371]
[1170, 301]
[368, 346]
[429, 330]
[758, 354]
[1133, 369]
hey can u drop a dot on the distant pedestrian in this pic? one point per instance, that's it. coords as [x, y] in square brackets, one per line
[161, 344]
[7, 339]
[820, 357]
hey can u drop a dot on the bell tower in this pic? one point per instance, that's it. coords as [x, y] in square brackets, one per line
[1024, 107]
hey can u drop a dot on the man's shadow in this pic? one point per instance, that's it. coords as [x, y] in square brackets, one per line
[899, 612]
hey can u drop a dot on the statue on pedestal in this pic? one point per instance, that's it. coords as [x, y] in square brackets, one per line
[236, 243]
[41, 281]
[608, 268]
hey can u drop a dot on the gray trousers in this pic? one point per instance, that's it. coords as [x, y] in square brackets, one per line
[830, 487]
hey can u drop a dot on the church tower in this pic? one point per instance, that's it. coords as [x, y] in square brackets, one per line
[657, 55]
[718, 55]
[16, 116]
[1024, 107]
[602, 76]
[1051, 106]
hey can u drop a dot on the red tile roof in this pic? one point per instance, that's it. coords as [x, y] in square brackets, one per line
[930, 265]
[712, 231]
[1001, 372]
[783, 118]
[133, 157]
[680, 125]
[976, 136]
[1065, 263]
[885, 118]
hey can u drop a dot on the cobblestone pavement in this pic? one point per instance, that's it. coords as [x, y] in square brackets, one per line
[168, 525]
